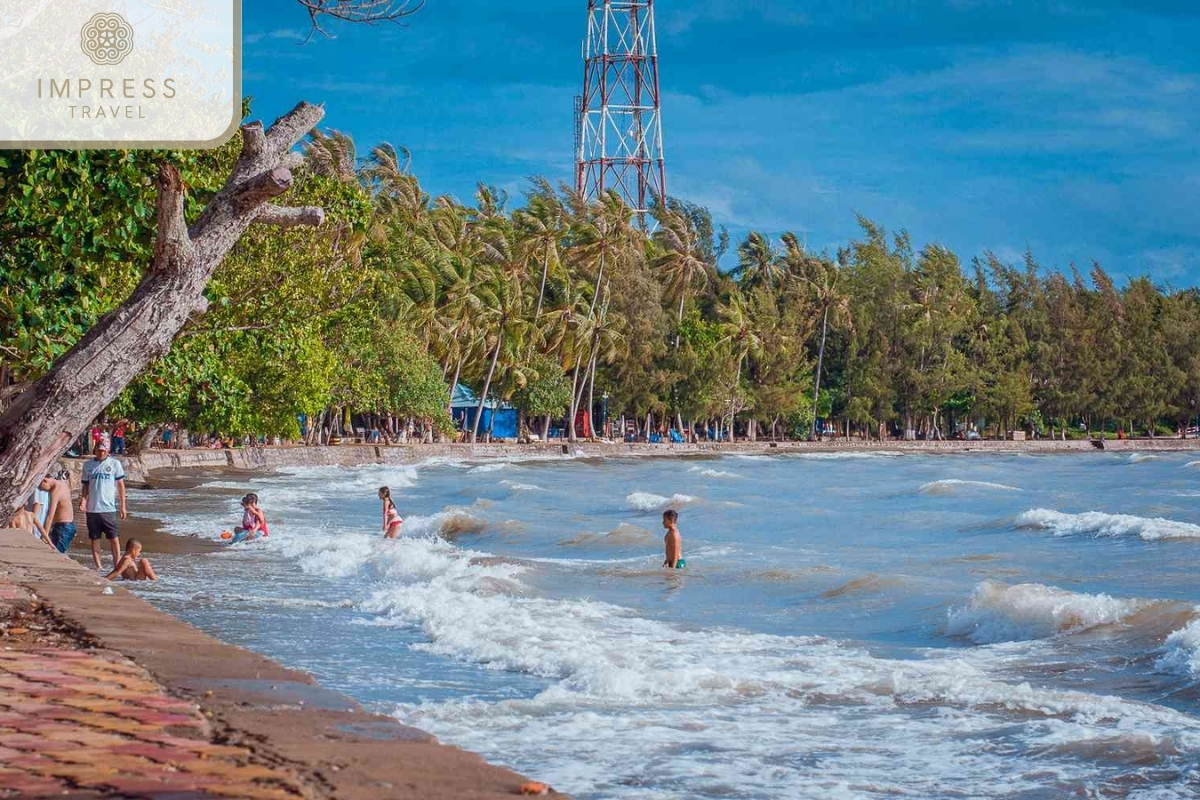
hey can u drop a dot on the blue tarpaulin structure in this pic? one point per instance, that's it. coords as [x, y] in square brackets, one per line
[500, 419]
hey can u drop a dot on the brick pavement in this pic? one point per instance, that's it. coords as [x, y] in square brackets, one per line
[85, 722]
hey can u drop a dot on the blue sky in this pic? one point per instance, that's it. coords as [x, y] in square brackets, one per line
[1068, 126]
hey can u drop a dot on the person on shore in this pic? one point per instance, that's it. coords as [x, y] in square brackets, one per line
[60, 513]
[254, 521]
[37, 506]
[391, 515]
[103, 501]
[673, 540]
[118, 438]
[132, 566]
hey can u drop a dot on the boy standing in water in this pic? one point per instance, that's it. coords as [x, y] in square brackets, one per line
[673, 540]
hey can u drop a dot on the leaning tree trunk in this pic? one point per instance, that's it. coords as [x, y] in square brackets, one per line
[487, 384]
[817, 382]
[45, 418]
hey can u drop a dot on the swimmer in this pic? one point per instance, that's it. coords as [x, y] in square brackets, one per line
[132, 567]
[391, 515]
[673, 540]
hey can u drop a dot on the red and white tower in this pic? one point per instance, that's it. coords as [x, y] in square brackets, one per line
[618, 119]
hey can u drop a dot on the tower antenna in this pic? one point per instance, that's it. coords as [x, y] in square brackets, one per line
[618, 118]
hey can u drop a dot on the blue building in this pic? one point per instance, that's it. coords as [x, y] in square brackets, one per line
[499, 419]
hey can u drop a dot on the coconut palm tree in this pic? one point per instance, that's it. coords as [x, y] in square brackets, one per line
[759, 263]
[822, 277]
[680, 262]
[542, 227]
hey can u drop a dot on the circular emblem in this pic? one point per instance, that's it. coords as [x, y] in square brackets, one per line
[106, 39]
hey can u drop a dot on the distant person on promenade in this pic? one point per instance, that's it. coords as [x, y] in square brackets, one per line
[131, 566]
[391, 515]
[673, 540]
[60, 513]
[254, 521]
[103, 501]
[118, 438]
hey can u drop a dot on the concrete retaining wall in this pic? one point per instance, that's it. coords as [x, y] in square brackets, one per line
[270, 458]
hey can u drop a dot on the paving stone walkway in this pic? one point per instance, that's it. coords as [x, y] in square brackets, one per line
[80, 722]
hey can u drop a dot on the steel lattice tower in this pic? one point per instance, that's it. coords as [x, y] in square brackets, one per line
[618, 119]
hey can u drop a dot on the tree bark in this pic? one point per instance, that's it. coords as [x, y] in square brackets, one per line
[44, 419]
[487, 384]
[817, 381]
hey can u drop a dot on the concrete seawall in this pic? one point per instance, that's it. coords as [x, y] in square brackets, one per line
[347, 455]
[322, 740]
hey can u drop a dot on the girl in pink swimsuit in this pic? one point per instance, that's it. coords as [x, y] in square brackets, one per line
[391, 515]
[254, 521]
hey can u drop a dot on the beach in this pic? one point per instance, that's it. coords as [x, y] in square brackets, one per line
[856, 621]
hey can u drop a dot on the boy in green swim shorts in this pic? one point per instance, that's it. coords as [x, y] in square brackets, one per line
[673, 541]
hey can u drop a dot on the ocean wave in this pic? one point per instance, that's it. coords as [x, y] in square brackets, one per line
[645, 501]
[449, 523]
[1192, 465]
[1099, 524]
[866, 584]
[951, 485]
[1181, 651]
[998, 612]
[848, 455]
[712, 473]
[489, 467]
[522, 487]
[1138, 458]
[623, 534]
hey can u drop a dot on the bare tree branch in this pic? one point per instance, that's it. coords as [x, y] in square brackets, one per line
[290, 216]
[367, 12]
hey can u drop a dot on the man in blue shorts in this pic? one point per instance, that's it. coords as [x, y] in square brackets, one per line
[103, 501]
[60, 512]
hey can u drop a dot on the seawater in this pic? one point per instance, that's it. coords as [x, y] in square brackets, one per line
[849, 625]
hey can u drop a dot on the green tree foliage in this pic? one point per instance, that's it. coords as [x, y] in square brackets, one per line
[553, 302]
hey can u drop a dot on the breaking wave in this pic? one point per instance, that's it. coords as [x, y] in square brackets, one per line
[1181, 652]
[1100, 524]
[644, 501]
[952, 485]
[712, 473]
[998, 612]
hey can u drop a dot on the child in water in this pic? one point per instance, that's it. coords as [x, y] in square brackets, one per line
[673, 540]
[391, 515]
[132, 567]
[254, 521]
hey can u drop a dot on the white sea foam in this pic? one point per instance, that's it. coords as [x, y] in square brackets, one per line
[1181, 651]
[644, 501]
[849, 455]
[712, 473]
[1138, 458]
[490, 467]
[522, 487]
[604, 701]
[1192, 465]
[1098, 524]
[1001, 613]
[605, 665]
[952, 485]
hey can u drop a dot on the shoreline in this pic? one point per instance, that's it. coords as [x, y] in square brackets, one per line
[284, 717]
[260, 459]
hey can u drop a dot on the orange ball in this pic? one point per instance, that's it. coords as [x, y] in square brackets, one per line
[226, 534]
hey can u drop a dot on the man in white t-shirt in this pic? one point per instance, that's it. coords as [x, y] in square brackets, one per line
[103, 501]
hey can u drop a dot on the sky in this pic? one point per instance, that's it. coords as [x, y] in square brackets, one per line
[1070, 128]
